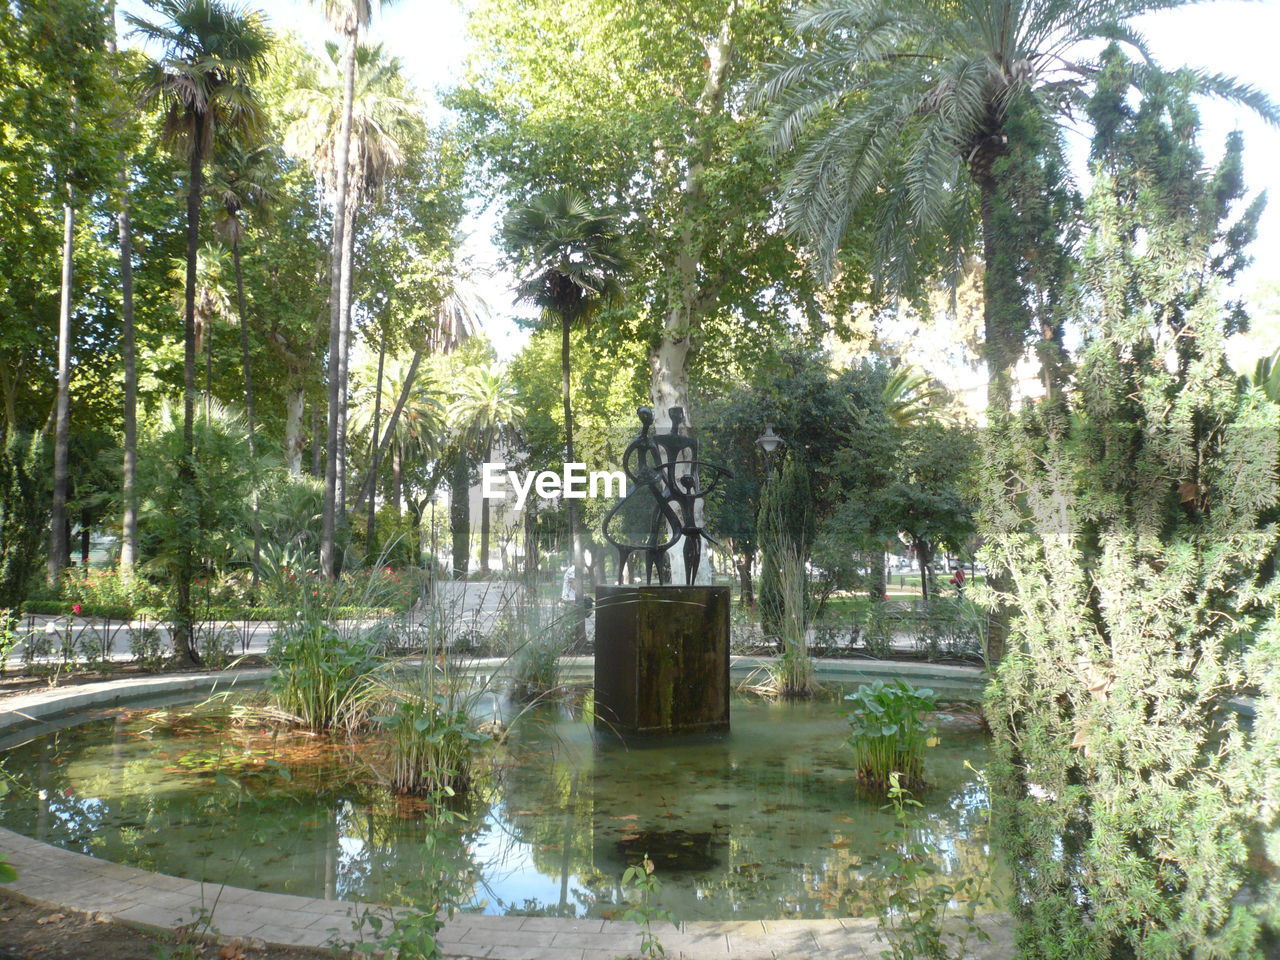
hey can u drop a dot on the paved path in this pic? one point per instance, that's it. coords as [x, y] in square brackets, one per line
[458, 606]
[61, 879]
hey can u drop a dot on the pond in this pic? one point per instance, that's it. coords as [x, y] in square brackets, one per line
[764, 822]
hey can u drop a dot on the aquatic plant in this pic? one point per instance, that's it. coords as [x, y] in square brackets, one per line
[431, 710]
[889, 733]
[641, 878]
[794, 670]
[432, 740]
[916, 905]
[789, 675]
[535, 666]
[325, 662]
[322, 675]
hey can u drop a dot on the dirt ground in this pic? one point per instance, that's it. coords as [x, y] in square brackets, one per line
[29, 932]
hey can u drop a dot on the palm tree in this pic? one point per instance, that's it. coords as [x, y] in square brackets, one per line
[348, 18]
[202, 86]
[573, 259]
[923, 109]
[415, 423]
[212, 303]
[908, 394]
[243, 182]
[383, 117]
[455, 320]
[484, 411]
[128, 350]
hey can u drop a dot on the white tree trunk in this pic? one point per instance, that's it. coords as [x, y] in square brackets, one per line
[669, 361]
[295, 404]
[62, 405]
[332, 502]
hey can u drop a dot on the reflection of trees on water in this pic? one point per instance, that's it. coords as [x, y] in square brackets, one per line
[569, 829]
[546, 814]
[557, 814]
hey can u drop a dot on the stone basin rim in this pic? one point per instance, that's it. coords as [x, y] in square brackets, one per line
[55, 878]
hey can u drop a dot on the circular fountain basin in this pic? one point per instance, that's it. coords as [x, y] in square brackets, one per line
[763, 822]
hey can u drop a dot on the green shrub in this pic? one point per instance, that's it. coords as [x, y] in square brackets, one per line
[105, 588]
[62, 608]
[877, 636]
[216, 644]
[322, 676]
[889, 733]
[7, 873]
[146, 645]
[950, 628]
[433, 738]
[535, 666]
[9, 637]
[24, 512]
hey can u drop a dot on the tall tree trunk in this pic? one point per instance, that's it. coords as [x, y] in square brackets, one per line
[344, 379]
[410, 377]
[317, 444]
[484, 519]
[371, 520]
[877, 576]
[396, 480]
[58, 545]
[329, 519]
[206, 326]
[922, 560]
[295, 404]
[460, 514]
[128, 347]
[575, 540]
[746, 593]
[184, 618]
[248, 398]
[1001, 341]
[693, 297]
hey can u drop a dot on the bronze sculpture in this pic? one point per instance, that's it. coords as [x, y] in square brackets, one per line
[665, 469]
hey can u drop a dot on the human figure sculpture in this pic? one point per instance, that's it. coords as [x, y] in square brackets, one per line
[650, 463]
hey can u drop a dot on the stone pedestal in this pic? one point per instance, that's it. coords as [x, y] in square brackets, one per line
[662, 659]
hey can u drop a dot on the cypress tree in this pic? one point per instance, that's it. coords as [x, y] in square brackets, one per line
[1126, 789]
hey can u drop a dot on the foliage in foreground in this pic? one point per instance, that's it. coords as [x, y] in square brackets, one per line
[916, 906]
[1127, 792]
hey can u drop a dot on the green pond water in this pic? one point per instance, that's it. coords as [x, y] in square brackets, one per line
[764, 822]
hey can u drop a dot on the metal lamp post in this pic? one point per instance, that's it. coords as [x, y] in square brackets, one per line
[769, 442]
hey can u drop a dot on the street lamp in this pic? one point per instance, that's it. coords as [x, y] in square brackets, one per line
[769, 442]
